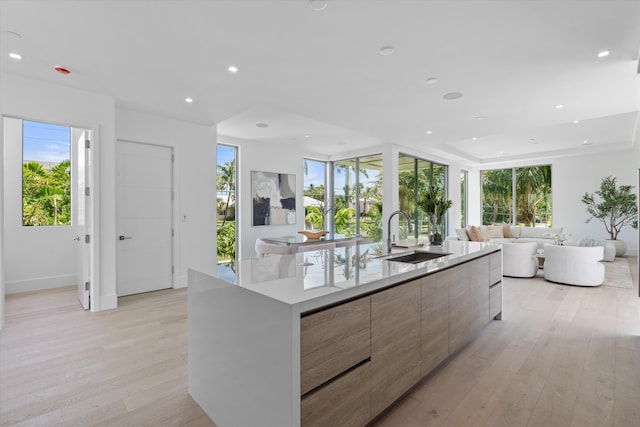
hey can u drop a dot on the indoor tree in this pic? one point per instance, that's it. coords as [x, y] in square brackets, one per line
[616, 206]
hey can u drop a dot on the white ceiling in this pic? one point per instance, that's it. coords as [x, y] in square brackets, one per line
[319, 73]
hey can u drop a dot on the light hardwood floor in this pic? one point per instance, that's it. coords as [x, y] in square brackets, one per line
[561, 356]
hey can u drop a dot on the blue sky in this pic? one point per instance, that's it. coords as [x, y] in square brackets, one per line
[43, 142]
[225, 154]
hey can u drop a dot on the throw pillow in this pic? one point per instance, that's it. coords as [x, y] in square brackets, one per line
[506, 230]
[494, 232]
[477, 234]
[462, 234]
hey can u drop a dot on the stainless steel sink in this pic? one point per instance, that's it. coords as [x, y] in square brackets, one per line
[416, 257]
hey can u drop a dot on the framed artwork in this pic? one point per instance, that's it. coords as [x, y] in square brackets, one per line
[273, 198]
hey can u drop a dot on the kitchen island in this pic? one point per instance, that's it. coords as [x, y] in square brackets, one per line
[333, 337]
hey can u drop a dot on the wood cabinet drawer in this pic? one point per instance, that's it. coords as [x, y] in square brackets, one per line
[495, 300]
[395, 343]
[346, 401]
[332, 341]
[435, 320]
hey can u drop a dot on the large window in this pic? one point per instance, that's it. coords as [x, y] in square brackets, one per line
[357, 197]
[315, 195]
[46, 174]
[520, 196]
[415, 176]
[226, 179]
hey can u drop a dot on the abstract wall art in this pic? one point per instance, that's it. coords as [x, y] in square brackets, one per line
[274, 198]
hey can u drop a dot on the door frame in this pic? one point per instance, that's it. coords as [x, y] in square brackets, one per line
[94, 245]
[175, 254]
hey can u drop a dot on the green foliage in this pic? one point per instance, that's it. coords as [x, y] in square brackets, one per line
[533, 195]
[497, 196]
[225, 181]
[315, 192]
[433, 202]
[343, 223]
[226, 243]
[46, 194]
[314, 218]
[617, 206]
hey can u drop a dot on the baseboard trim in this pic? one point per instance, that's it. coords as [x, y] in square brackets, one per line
[40, 283]
[183, 282]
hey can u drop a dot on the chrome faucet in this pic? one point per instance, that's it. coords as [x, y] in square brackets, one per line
[406, 215]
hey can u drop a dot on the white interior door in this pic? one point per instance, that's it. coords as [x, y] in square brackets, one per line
[82, 219]
[145, 217]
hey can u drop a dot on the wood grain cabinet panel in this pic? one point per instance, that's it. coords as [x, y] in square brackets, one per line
[435, 320]
[478, 282]
[459, 314]
[395, 343]
[346, 401]
[332, 341]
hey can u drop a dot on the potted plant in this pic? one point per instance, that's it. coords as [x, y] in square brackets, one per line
[434, 205]
[616, 208]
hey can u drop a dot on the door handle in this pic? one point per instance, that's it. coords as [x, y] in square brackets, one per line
[125, 237]
[77, 238]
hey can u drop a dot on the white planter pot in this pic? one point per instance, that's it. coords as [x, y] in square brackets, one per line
[621, 246]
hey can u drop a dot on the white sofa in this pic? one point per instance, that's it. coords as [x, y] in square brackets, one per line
[519, 259]
[506, 233]
[608, 245]
[574, 265]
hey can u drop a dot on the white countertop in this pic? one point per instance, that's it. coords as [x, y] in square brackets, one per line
[313, 279]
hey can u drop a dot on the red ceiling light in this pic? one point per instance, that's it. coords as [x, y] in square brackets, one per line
[62, 70]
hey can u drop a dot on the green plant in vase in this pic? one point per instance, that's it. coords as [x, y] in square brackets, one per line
[434, 205]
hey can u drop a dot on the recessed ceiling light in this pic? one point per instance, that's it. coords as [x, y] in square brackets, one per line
[431, 81]
[262, 125]
[473, 138]
[387, 50]
[576, 121]
[233, 69]
[479, 118]
[603, 54]
[429, 132]
[452, 95]
[559, 106]
[503, 153]
[14, 55]
[585, 142]
[188, 100]
[306, 135]
[318, 4]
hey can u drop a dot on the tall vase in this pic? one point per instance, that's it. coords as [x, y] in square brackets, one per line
[436, 230]
[621, 247]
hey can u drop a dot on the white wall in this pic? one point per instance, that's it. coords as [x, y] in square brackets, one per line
[572, 177]
[38, 257]
[194, 184]
[40, 101]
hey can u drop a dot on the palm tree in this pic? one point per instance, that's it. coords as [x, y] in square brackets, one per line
[496, 192]
[532, 186]
[46, 194]
[225, 181]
